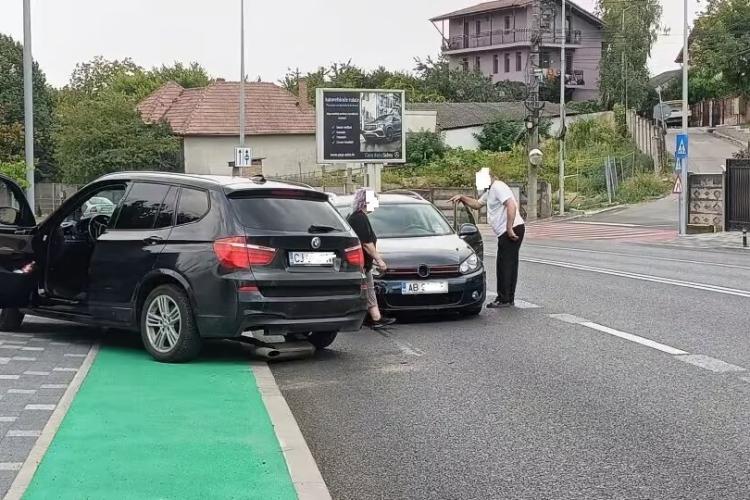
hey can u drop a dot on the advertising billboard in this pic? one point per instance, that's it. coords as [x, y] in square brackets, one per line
[360, 126]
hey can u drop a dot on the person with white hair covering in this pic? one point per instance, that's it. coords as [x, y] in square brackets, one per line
[359, 221]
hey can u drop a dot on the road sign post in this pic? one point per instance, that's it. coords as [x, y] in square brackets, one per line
[681, 166]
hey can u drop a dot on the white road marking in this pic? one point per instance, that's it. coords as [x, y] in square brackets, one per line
[40, 407]
[610, 224]
[650, 257]
[404, 347]
[568, 318]
[24, 476]
[10, 346]
[23, 434]
[59, 369]
[21, 391]
[10, 466]
[304, 472]
[71, 355]
[709, 363]
[8, 419]
[32, 348]
[22, 358]
[634, 338]
[643, 277]
[36, 373]
[9, 377]
[520, 304]
[4, 361]
[13, 342]
[54, 386]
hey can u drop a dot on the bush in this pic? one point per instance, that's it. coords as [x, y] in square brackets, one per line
[499, 136]
[642, 186]
[16, 171]
[424, 147]
[586, 107]
[621, 119]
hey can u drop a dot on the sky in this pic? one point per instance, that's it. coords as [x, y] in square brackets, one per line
[279, 34]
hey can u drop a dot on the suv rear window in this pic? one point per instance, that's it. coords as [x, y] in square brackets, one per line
[292, 212]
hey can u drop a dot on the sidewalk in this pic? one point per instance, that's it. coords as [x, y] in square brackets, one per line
[729, 240]
[139, 429]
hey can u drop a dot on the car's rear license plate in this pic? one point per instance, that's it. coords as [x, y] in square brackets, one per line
[424, 287]
[311, 258]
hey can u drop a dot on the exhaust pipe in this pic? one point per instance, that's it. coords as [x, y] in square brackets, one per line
[281, 351]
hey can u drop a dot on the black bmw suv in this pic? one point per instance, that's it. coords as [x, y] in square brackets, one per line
[181, 258]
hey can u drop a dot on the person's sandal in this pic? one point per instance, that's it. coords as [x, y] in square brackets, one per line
[382, 323]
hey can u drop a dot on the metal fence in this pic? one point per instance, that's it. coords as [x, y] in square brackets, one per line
[738, 194]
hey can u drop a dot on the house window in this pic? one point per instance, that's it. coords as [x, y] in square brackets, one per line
[545, 59]
[507, 23]
[569, 62]
[495, 64]
[477, 63]
[507, 63]
[465, 65]
[518, 61]
[478, 27]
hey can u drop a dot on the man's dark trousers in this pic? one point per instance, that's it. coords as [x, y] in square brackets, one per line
[507, 265]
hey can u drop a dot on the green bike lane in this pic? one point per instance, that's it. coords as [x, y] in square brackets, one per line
[138, 429]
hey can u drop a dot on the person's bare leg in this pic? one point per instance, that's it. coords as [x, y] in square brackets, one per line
[375, 313]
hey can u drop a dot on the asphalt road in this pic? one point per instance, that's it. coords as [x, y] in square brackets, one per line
[627, 381]
[708, 153]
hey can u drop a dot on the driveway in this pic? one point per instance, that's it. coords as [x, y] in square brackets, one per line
[708, 153]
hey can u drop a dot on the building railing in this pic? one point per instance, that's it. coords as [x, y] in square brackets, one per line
[506, 37]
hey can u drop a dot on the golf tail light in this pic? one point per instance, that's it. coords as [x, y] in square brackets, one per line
[236, 253]
[355, 256]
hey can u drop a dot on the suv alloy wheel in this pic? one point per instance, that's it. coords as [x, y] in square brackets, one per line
[168, 329]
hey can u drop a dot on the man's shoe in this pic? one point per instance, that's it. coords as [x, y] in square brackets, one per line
[382, 323]
[496, 304]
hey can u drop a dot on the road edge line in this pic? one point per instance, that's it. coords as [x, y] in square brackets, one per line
[306, 477]
[24, 477]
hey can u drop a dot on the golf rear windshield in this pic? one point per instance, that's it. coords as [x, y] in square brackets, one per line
[285, 212]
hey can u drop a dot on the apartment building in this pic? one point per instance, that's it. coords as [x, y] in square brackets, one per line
[495, 39]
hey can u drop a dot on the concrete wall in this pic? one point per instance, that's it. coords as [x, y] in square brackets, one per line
[420, 121]
[706, 201]
[462, 137]
[283, 154]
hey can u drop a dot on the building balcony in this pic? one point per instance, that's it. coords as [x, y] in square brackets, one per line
[487, 40]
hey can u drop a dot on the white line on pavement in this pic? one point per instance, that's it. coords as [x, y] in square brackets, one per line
[520, 304]
[649, 257]
[36, 373]
[22, 358]
[39, 407]
[10, 466]
[306, 477]
[54, 386]
[24, 476]
[59, 369]
[634, 338]
[404, 347]
[21, 391]
[22, 434]
[709, 363]
[642, 277]
[8, 420]
[612, 224]
[9, 377]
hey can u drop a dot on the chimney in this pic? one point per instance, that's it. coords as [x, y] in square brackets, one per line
[302, 95]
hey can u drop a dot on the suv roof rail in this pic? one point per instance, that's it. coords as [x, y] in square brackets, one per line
[406, 192]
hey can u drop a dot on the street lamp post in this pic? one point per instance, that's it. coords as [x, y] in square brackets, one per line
[28, 102]
[685, 109]
[563, 75]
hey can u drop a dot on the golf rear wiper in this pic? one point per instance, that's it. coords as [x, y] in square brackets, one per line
[320, 229]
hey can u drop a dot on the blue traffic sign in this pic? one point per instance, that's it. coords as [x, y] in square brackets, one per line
[681, 150]
[678, 164]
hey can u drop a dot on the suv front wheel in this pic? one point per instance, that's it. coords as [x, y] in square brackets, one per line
[10, 320]
[168, 328]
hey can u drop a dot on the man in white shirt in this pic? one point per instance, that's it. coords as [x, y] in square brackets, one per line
[506, 221]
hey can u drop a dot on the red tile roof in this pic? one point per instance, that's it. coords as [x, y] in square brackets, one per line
[214, 110]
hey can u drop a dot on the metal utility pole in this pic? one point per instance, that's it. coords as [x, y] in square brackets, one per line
[685, 109]
[563, 78]
[28, 102]
[622, 71]
[242, 73]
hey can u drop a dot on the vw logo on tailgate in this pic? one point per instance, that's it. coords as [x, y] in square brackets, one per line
[315, 243]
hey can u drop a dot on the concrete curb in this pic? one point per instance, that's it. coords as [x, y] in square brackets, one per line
[306, 477]
[726, 137]
[29, 467]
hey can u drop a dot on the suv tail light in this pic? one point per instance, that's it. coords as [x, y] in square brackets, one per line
[354, 256]
[236, 253]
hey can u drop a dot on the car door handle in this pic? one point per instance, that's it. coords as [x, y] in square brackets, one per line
[153, 240]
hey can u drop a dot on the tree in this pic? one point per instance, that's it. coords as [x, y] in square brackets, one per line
[720, 47]
[499, 136]
[16, 170]
[12, 110]
[634, 38]
[99, 129]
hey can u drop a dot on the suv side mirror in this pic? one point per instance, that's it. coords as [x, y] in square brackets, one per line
[468, 230]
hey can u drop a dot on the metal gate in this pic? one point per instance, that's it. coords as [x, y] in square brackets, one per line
[738, 194]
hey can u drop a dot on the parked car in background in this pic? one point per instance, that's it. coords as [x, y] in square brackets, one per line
[386, 128]
[181, 258]
[431, 267]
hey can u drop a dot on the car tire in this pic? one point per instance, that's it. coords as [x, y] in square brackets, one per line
[168, 328]
[10, 320]
[470, 312]
[321, 340]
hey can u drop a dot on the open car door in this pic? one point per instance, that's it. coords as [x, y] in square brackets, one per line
[17, 229]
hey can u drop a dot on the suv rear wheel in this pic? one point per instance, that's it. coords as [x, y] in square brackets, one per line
[168, 328]
[321, 340]
[10, 320]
